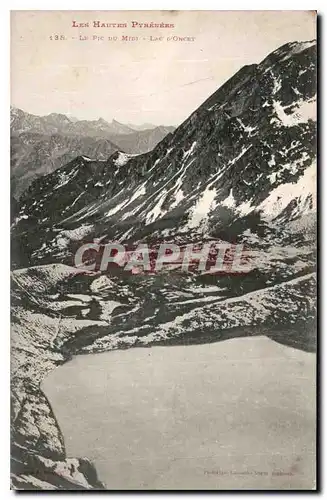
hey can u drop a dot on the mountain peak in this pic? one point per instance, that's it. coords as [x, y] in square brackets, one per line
[120, 128]
[59, 117]
[287, 52]
[102, 121]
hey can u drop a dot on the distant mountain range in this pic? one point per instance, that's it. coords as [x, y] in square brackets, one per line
[41, 144]
[142, 141]
[57, 123]
[35, 154]
[144, 126]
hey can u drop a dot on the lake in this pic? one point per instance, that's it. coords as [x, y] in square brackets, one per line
[234, 414]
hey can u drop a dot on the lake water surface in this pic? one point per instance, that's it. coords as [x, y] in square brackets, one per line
[235, 414]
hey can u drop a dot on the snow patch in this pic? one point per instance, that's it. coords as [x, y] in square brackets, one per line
[205, 289]
[61, 242]
[179, 196]
[272, 161]
[204, 205]
[20, 217]
[247, 129]
[64, 178]
[303, 191]
[292, 168]
[304, 111]
[78, 233]
[156, 211]
[244, 150]
[189, 151]
[245, 208]
[116, 209]
[122, 159]
[139, 192]
[277, 82]
[298, 47]
[229, 202]
[107, 308]
[100, 284]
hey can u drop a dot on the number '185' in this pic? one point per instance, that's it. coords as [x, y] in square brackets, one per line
[57, 37]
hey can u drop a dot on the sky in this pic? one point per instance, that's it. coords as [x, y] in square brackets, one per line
[140, 81]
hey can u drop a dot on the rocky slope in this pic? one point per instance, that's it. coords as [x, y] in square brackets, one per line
[241, 168]
[34, 155]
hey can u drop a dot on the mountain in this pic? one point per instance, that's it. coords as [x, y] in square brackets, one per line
[56, 123]
[249, 145]
[240, 169]
[20, 121]
[98, 128]
[34, 155]
[149, 126]
[142, 126]
[120, 129]
[41, 144]
[142, 141]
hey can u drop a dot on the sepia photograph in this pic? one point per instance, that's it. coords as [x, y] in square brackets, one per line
[163, 181]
